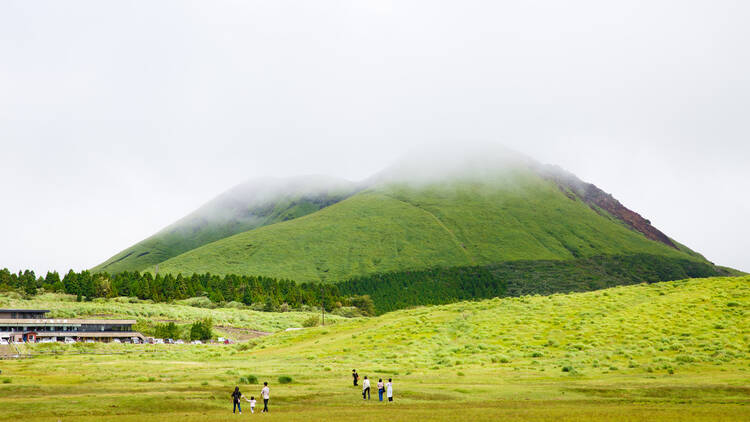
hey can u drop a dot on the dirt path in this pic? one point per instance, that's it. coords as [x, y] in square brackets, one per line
[241, 334]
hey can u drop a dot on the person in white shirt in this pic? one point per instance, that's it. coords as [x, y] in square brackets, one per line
[389, 389]
[266, 394]
[252, 404]
[366, 389]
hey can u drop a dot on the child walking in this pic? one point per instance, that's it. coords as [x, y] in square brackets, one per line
[252, 403]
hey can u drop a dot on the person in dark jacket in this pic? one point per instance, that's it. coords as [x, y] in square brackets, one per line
[236, 396]
[355, 375]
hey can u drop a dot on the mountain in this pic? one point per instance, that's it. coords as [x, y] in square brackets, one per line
[453, 210]
[245, 207]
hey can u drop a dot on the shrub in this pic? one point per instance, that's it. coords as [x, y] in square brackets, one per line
[312, 321]
[241, 347]
[250, 379]
[347, 312]
[364, 303]
[201, 330]
[285, 379]
[7, 381]
[234, 305]
[567, 368]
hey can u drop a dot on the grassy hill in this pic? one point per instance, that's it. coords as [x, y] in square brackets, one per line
[245, 207]
[652, 352]
[511, 214]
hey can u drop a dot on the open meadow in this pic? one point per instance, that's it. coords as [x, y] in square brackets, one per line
[672, 351]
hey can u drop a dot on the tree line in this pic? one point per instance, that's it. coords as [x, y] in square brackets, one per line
[375, 293]
[435, 286]
[266, 293]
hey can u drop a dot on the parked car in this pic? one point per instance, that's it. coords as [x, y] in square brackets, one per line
[3, 341]
[221, 339]
[169, 341]
[196, 342]
[117, 340]
[89, 341]
[69, 340]
[158, 341]
[179, 342]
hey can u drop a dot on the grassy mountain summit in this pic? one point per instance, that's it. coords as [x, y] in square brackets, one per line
[475, 211]
[250, 205]
[457, 209]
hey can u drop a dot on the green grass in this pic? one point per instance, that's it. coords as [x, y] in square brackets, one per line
[673, 351]
[242, 208]
[148, 313]
[518, 216]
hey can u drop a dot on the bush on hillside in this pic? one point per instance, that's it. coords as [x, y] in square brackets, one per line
[312, 321]
[285, 379]
[202, 330]
[364, 303]
[249, 379]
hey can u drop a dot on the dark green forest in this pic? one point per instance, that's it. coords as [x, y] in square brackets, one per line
[375, 294]
[248, 290]
[404, 289]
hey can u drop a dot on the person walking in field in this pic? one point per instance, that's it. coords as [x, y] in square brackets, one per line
[355, 375]
[366, 389]
[252, 403]
[381, 389]
[389, 389]
[266, 394]
[236, 396]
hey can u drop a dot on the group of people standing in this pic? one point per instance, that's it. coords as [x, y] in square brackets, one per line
[383, 388]
[237, 396]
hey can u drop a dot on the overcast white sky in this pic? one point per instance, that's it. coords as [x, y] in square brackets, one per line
[117, 118]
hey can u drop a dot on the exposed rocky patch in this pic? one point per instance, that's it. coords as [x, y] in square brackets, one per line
[599, 200]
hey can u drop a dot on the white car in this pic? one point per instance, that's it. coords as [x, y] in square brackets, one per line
[3, 341]
[196, 342]
[179, 342]
[69, 340]
[117, 340]
[159, 341]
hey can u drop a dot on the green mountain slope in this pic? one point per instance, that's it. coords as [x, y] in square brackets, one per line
[245, 207]
[495, 214]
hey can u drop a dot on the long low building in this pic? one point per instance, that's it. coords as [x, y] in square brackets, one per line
[26, 325]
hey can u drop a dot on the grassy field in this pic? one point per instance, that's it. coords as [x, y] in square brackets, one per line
[148, 313]
[518, 215]
[673, 351]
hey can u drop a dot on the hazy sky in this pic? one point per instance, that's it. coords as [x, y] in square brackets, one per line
[117, 118]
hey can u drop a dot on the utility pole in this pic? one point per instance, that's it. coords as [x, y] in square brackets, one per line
[322, 305]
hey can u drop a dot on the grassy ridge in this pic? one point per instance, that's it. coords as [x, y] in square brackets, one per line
[517, 216]
[398, 290]
[242, 208]
[658, 352]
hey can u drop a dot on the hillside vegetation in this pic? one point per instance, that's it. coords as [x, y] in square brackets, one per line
[398, 290]
[652, 352]
[245, 207]
[514, 215]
